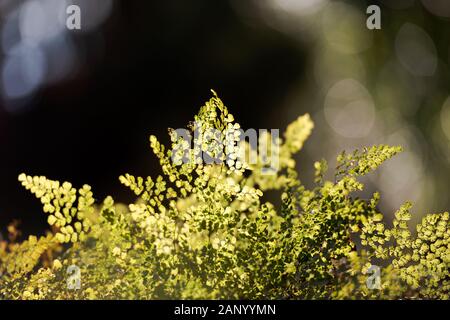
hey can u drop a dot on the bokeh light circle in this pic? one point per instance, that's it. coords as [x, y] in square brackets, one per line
[349, 109]
[416, 50]
[23, 71]
[344, 28]
[38, 20]
[303, 7]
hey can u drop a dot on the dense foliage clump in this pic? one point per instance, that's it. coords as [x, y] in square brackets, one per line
[204, 231]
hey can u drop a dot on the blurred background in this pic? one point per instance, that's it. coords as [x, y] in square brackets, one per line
[78, 105]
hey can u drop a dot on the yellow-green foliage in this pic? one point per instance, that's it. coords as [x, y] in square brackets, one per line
[205, 231]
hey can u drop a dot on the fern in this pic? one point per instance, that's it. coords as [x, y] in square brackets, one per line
[205, 230]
